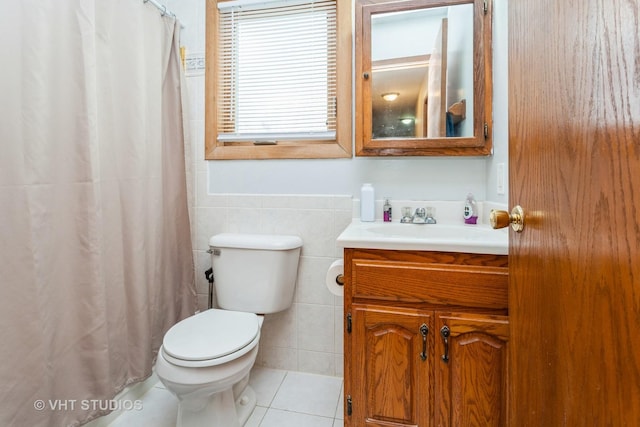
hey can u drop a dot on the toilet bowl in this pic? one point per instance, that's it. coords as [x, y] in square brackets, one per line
[207, 368]
[205, 360]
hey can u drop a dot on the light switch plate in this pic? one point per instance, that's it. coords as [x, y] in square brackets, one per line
[500, 179]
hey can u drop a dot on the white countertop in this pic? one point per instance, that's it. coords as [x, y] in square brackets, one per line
[480, 238]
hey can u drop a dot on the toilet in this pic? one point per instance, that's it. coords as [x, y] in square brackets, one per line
[205, 359]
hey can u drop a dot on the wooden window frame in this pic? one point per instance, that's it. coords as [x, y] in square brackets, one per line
[341, 147]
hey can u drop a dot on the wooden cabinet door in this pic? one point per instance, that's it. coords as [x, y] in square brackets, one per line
[471, 369]
[391, 371]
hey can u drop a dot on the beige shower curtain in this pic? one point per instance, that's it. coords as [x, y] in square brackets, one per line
[95, 257]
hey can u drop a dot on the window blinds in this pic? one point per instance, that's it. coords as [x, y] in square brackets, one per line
[277, 70]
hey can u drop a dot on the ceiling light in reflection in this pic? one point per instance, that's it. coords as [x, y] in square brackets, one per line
[391, 96]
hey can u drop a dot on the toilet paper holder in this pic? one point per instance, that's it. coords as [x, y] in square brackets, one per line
[335, 278]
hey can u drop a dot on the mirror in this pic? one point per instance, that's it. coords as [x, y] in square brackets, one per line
[423, 77]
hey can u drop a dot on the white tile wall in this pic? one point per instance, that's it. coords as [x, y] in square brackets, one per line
[308, 336]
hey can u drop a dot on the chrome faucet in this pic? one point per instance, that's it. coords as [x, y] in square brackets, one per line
[421, 216]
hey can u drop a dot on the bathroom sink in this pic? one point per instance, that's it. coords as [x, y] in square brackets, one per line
[478, 238]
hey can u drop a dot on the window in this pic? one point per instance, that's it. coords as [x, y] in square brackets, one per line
[278, 79]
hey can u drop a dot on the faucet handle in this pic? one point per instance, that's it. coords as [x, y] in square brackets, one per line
[406, 215]
[430, 219]
[421, 212]
[429, 212]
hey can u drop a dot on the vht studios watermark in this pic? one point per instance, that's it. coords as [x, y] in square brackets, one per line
[87, 404]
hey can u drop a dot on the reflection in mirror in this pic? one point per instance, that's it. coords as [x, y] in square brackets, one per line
[424, 81]
[422, 73]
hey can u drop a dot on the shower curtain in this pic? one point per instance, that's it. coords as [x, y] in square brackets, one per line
[95, 258]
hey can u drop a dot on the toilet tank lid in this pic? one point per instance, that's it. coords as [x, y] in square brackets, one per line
[274, 242]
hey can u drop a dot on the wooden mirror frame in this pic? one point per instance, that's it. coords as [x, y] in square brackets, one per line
[480, 144]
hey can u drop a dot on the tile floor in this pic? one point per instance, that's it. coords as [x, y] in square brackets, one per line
[285, 399]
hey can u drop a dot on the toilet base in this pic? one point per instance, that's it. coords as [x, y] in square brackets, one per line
[214, 396]
[245, 404]
[221, 410]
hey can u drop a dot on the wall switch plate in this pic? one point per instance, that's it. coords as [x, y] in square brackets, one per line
[500, 179]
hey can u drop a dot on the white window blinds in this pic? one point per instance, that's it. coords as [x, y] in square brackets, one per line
[277, 70]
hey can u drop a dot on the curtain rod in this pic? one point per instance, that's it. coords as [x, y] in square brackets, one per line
[162, 8]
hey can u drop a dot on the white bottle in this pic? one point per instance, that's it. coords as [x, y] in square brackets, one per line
[367, 203]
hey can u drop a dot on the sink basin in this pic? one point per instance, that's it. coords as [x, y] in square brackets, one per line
[478, 238]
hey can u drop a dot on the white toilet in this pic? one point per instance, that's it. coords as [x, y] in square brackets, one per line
[205, 359]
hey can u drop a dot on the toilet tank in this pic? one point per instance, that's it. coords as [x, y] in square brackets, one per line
[255, 273]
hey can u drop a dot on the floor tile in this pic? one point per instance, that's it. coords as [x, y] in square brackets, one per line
[281, 418]
[266, 382]
[159, 409]
[285, 399]
[309, 394]
[340, 409]
[256, 417]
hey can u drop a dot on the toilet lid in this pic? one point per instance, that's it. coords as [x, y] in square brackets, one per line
[211, 334]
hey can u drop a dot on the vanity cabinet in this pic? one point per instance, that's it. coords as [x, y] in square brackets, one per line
[426, 336]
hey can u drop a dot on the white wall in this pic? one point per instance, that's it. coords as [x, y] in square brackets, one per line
[420, 29]
[312, 198]
[399, 178]
[430, 178]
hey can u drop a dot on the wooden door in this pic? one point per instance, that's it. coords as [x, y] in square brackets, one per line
[471, 370]
[574, 153]
[392, 382]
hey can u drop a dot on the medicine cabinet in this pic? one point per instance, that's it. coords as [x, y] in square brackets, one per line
[423, 78]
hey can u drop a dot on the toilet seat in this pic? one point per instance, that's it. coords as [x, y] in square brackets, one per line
[211, 338]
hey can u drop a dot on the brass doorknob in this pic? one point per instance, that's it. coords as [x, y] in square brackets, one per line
[500, 219]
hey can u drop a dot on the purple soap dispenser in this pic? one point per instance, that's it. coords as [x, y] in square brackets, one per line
[470, 210]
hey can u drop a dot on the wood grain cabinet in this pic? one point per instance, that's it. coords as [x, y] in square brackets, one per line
[426, 336]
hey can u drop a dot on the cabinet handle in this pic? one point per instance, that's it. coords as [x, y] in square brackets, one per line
[445, 332]
[424, 330]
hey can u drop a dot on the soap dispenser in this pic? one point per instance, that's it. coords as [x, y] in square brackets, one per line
[470, 210]
[387, 215]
